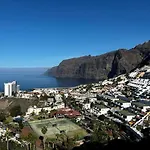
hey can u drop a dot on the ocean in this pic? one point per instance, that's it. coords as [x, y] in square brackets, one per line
[30, 78]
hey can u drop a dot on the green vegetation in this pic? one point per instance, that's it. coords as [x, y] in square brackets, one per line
[8, 120]
[86, 100]
[104, 131]
[64, 99]
[88, 87]
[44, 130]
[2, 116]
[31, 138]
[15, 111]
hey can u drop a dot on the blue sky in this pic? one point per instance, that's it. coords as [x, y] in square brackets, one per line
[41, 33]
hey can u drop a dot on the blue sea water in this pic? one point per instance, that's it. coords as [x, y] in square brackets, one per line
[29, 78]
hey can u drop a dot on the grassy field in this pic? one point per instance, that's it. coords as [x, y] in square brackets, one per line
[70, 128]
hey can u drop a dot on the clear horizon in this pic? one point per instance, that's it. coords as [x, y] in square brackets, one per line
[37, 33]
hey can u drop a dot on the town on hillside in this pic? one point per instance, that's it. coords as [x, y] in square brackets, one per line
[63, 118]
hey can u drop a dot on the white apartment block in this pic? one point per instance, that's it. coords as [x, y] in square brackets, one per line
[10, 88]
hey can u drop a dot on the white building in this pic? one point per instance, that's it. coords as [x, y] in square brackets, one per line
[142, 107]
[123, 104]
[106, 82]
[124, 115]
[18, 88]
[100, 110]
[133, 74]
[127, 116]
[7, 89]
[87, 106]
[37, 110]
[10, 88]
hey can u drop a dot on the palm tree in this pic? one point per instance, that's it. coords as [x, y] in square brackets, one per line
[86, 100]
[64, 141]
[32, 138]
[92, 105]
[44, 131]
[64, 100]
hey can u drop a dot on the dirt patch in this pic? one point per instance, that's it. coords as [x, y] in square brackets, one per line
[26, 131]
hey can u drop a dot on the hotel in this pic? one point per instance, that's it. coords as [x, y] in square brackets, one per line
[10, 88]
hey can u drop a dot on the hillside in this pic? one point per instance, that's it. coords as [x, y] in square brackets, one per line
[103, 66]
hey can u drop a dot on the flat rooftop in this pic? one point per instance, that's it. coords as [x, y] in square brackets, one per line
[139, 104]
[101, 106]
[126, 113]
[123, 98]
[122, 101]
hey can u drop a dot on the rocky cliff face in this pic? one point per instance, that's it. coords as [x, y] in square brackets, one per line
[103, 66]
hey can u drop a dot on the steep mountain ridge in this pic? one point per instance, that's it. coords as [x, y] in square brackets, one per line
[104, 66]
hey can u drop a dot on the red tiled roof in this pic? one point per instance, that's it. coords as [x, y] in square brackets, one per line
[68, 112]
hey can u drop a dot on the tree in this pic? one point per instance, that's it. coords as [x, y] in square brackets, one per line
[64, 142]
[104, 131]
[119, 79]
[100, 134]
[2, 117]
[32, 139]
[64, 99]
[86, 100]
[92, 105]
[33, 113]
[101, 103]
[44, 96]
[88, 87]
[15, 111]
[43, 130]
[52, 113]
[20, 125]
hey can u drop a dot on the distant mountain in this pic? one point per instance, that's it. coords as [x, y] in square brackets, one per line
[103, 66]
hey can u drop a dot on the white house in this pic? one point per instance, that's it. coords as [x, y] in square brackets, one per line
[123, 104]
[87, 106]
[107, 97]
[140, 106]
[58, 98]
[25, 95]
[92, 99]
[100, 110]
[127, 116]
[106, 82]
[133, 74]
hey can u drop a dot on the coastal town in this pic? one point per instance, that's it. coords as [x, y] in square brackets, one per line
[74, 75]
[123, 100]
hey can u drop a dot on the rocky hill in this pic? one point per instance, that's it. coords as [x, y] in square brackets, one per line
[103, 66]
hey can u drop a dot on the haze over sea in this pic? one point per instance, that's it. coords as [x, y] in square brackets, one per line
[29, 78]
